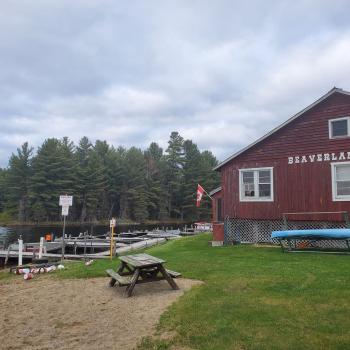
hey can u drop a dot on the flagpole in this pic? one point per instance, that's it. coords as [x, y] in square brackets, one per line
[206, 192]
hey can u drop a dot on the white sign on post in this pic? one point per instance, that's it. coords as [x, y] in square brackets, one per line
[65, 210]
[66, 201]
[112, 223]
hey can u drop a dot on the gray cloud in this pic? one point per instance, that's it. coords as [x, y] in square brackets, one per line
[221, 73]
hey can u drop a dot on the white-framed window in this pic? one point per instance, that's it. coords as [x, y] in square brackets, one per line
[341, 181]
[339, 127]
[256, 185]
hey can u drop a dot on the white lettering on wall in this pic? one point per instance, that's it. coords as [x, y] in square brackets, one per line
[319, 157]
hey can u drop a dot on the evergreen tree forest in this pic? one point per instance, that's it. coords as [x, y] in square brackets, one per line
[130, 184]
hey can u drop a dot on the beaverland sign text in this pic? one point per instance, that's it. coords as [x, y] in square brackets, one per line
[319, 157]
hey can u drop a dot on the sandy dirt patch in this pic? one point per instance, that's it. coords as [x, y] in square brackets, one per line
[81, 314]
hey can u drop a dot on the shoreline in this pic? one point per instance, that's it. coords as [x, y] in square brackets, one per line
[98, 223]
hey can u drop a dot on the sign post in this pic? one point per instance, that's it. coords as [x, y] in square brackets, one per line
[41, 247]
[65, 202]
[20, 251]
[112, 224]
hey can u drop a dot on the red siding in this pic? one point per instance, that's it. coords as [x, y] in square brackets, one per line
[298, 187]
[216, 196]
[218, 231]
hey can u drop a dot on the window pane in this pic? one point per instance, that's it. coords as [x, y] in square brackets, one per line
[343, 188]
[264, 190]
[340, 128]
[248, 177]
[342, 172]
[264, 176]
[249, 190]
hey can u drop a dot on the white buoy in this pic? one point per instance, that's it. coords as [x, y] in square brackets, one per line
[20, 251]
[41, 247]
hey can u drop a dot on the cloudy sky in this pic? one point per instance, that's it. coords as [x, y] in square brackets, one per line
[222, 73]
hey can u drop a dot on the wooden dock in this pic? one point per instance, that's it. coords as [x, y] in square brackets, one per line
[91, 244]
[30, 255]
[99, 242]
[13, 254]
[75, 246]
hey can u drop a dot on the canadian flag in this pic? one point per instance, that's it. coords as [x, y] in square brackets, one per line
[200, 192]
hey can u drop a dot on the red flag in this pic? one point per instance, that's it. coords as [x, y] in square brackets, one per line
[200, 192]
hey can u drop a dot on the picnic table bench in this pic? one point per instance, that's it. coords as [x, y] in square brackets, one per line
[140, 268]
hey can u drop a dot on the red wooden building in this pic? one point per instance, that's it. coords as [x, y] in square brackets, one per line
[300, 167]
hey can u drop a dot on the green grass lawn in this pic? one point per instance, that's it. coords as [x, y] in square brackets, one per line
[252, 298]
[258, 298]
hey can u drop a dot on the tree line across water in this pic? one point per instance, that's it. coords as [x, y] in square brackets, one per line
[105, 181]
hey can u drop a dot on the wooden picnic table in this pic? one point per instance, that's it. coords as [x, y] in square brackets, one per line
[140, 268]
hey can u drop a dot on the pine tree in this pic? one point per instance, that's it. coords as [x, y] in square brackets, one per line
[53, 175]
[118, 179]
[17, 183]
[192, 176]
[100, 182]
[209, 179]
[107, 181]
[85, 196]
[153, 157]
[137, 191]
[174, 174]
[2, 189]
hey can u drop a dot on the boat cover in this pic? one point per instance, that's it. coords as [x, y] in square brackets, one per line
[336, 233]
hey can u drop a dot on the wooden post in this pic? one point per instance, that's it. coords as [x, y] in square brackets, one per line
[112, 224]
[114, 246]
[41, 247]
[20, 251]
[7, 254]
[85, 234]
[112, 242]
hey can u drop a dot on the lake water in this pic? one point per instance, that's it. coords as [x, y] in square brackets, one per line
[33, 233]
